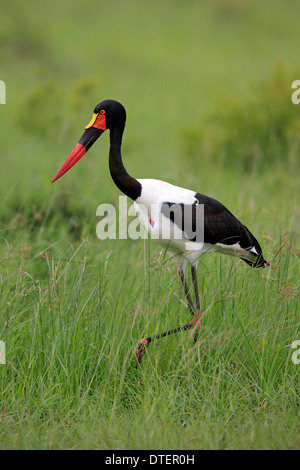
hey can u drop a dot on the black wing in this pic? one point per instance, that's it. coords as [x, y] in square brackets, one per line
[220, 225]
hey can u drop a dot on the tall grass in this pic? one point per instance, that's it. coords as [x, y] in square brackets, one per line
[71, 336]
[73, 308]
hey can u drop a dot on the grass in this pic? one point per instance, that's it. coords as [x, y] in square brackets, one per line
[72, 307]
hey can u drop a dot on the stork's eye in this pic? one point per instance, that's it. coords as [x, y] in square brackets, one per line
[102, 111]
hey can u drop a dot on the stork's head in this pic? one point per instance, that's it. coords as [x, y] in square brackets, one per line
[108, 114]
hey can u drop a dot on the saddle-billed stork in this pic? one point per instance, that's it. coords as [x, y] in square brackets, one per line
[222, 231]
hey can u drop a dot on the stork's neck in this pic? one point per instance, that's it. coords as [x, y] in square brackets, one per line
[126, 183]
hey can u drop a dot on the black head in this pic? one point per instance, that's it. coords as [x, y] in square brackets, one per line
[109, 114]
[113, 111]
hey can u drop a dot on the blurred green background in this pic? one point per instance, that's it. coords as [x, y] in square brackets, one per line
[207, 89]
[206, 85]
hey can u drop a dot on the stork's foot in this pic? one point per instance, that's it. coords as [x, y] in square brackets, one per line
[195, 324]
[141, 350]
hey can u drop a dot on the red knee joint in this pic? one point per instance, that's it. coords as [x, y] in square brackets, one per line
[144, 343]
[141, 350]
[194, 321]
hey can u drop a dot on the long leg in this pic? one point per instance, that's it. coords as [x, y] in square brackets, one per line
[193, 323]
[144, 343]
[197, 314]
[195, 283]
[187, 292]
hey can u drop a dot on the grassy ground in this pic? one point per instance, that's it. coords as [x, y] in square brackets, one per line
[73, 308]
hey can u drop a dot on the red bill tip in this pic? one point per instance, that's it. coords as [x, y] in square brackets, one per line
[77, 153]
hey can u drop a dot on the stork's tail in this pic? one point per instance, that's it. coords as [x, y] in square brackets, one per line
[258, 262]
